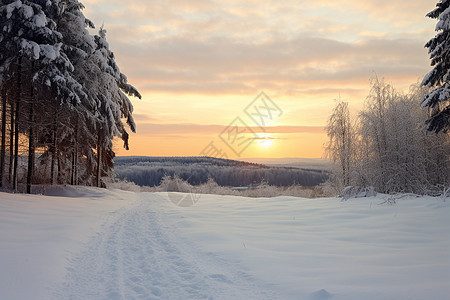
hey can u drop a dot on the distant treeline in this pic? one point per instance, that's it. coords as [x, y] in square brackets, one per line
[149, 171]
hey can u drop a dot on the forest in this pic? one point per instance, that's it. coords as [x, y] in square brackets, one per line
[394, 145]
[63, 97]
[150, 171]
[387, 145]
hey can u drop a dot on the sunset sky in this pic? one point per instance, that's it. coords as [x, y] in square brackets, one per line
[200, 64]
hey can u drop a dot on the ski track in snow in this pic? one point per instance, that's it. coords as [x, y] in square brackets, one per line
[137, 256]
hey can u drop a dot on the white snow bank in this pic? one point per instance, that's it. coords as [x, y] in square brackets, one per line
[88, 243]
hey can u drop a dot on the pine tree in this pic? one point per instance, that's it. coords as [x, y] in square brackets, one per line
[74, 113]
[439, 78]
[114, 104]
[63, 89]
[80, 47]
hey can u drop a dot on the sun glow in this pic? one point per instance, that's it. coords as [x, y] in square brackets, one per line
[265, 141]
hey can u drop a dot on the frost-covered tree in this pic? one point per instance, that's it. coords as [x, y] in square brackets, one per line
[118, 86]
[373, 126]
[83, 119]
[391, 149]
[438, 99]
[31, 35]
[28, 44]
[107, 89]
[405, 161]
[115, 105]
[340, 145]
[98, 118]
[433, 148]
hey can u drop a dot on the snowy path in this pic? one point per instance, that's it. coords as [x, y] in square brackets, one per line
[137, 256]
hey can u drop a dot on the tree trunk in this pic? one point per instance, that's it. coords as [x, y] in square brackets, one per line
[99, 161]
[76, 164]
[16, 147]
[11, 143]
[30, 145]
[3, 148]
[16, 137]
[75, 160]
[54, 153]
[58, 179]
[72, 169]
[73, 177]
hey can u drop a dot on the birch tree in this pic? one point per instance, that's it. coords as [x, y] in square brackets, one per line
[341, 139]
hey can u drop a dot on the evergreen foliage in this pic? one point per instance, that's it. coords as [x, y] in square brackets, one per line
[438, 99]
[63, 95]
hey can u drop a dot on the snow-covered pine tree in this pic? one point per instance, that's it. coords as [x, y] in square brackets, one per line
[105, 85]
[115, 105]
[24, 30]
[83, 120]
[119, 84]
[439, 78]
[62, 85]
[33, 51]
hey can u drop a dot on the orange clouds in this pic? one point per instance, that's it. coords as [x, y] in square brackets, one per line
[207, 47]
[188, 66]
[212, 130]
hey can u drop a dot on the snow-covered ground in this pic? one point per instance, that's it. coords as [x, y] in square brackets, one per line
[87, 243]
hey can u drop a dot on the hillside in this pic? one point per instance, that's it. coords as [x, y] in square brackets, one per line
[149, 171]
[302, 163]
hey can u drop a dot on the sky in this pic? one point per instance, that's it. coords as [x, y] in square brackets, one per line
[254, 78]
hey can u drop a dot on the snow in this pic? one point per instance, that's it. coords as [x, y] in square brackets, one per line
[31, 48]
[39, 233]
[11, 7]
[51, 52]
[27, 11]
[40, 20]
[444, 16]
[88, 243]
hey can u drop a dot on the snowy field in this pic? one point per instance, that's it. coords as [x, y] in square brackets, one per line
[88, 243]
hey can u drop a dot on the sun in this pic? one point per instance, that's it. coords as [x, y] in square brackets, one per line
[266, 142]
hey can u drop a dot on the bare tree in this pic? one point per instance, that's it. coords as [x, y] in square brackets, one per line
[340, 145]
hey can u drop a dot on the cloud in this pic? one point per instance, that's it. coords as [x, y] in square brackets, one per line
[143, 117]
[264, 138]
[180, 65]
[259, 20]
[201, 129]
[241, 47]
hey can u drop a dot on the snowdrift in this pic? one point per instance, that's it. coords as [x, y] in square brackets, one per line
[88, 243]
